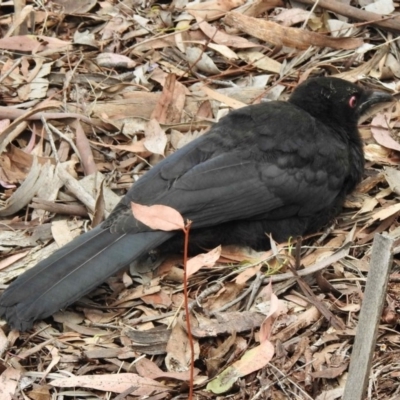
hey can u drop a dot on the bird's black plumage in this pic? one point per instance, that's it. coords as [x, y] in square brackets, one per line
[280, 168]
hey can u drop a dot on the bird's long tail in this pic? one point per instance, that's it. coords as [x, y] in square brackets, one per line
[71, 272]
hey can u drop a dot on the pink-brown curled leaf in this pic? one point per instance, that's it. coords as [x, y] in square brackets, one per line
[276, 308]
[158, 217]
[203, 260]
[251, 361]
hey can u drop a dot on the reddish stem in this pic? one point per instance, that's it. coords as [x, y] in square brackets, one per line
[187, 312]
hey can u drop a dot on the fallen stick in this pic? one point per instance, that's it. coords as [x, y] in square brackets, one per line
[368, 322]
[389, 23]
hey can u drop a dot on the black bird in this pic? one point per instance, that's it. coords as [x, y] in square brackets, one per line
[280, 168]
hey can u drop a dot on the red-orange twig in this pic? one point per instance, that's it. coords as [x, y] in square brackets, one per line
[187, 311]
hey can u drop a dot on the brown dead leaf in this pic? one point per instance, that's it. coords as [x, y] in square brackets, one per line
[37, 85]
[116, 383]
[138, 292]
[161, 299]
[258, 7]
[19, 116]
[9, 383]
[52, 45]
[247, 274]
[41, 392]
[228, 293]
[230, 102]
[217, 356]
[292, 16]
[202, 260]
[324, 252]
[116, 24]
[19, 43]
[149, 369]
[271, 32]
[392, 176]
[156, 139]
[330, 373]
[222, 38]
[200, 60]
[62, 232]
[251, 361]
[7, 261]
[111, 60]
[385, 212]
[276, 308]
[74, 7]
[227, 323]
[381, 133]
[171, 102]
[377, 153]
[212, 9]
[85, 151]
[303, 320]
[255, 359]
[158, 217]
[178, 350]
[3, 343]
[24, 194]
[365, 68]
[261, 61]
[99, 208]
[137, 147]
[156, 43]
[99, 317]
[234, 253]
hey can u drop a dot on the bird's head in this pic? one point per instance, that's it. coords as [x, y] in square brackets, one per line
[336, 101]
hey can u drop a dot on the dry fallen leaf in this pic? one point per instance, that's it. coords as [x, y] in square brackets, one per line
[222, 38]
[116, 383]
[156, 139]
[198, 59]
[381, 133]
[382, 7]
[261, 61]
[212, 9]
[158, 217]
[253, 360]
[279, 35]
[149, 369]
[9, 383]
[202, 260]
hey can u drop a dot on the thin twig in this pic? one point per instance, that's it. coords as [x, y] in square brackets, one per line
[237, 299]
[51, 139]
[187, 310]
[255, 288]
[309, 14]
[8, 72]
[209, 291]
[66, 138]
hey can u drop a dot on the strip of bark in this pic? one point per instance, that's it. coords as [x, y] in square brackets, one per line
[391, 23]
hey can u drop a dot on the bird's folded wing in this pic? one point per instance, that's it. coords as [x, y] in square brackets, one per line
[225, 189]
[232, 186]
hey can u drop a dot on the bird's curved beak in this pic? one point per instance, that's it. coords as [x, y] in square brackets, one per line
[375, 97]
[380, 97]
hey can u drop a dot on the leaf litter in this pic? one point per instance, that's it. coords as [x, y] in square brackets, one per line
[94, 93]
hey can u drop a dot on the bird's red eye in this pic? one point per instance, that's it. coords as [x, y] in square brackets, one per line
[353, 101]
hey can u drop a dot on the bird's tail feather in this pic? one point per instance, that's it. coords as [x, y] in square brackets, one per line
[70, 273]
